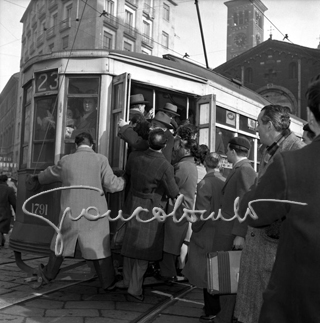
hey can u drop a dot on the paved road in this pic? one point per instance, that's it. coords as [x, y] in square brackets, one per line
[75, 297]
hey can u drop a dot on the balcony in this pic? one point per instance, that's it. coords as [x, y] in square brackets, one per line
[147, 40]
[111, 20]
[132, 2]
[148, 10]
[65, 24]
[130, 31]
[40, 40]
[51, 32]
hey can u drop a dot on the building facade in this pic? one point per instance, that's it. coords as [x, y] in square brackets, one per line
[245, 26]
[9, 130]
[145, 26]
[278, 70]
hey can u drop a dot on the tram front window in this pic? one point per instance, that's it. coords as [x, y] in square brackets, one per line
[44, 130]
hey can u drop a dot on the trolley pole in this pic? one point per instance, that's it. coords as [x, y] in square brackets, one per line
[202, 37]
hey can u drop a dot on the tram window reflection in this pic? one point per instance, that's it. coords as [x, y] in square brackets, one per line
[83, 85]
[44, 130]
[45, 119]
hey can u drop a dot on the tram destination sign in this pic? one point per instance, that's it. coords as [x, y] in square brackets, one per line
[47, 81]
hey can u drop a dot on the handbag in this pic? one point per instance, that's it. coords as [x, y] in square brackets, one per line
[223, 271]
[118, 236]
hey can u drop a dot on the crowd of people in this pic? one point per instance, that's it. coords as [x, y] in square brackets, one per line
[278, 279]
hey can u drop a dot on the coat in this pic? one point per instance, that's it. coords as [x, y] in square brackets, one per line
[292, 294]
[7, 199]
[209, 198]
[258, 256]
[151, 177]
[238, 182]
[186, 176]
[84, 167]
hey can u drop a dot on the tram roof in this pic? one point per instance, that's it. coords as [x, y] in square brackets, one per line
[191, 68]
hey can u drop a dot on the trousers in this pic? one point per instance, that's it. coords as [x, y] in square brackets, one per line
[133, 272]
[103, 267]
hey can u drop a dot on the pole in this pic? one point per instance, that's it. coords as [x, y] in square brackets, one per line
[202, 37]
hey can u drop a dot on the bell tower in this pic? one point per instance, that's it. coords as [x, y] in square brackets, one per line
[245, 25]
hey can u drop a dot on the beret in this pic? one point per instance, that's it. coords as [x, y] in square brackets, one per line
[240, 141]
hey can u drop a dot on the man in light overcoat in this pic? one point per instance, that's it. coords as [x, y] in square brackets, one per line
[84, 167]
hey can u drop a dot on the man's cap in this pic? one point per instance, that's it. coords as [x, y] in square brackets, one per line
[169, 107]
[163, 118]
[137, 99]
[241, 142]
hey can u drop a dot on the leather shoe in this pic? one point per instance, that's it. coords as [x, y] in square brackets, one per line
[138, 298]
[111, 287]
[120, 284]
[207, 318]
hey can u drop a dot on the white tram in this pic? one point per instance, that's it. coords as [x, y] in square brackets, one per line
[58, 82]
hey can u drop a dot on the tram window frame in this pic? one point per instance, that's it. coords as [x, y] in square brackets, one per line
[80, 95]
[226, 117]
[44, 124]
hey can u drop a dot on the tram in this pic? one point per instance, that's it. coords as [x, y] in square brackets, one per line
[55, 86]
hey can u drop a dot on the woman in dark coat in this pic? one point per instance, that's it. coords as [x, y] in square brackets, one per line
[151, 177]
[186, 176]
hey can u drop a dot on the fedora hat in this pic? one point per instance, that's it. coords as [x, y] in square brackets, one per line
[163, 118]
[169, 107]
[137, 99]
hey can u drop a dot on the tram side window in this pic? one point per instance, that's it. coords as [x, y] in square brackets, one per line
[44, 130]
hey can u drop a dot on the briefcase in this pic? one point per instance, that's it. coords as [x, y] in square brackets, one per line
[223, 271]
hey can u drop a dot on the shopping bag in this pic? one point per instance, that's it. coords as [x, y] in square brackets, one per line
[223, 271]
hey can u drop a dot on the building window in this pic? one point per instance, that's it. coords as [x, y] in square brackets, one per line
[129, 18]
[107, 40]
[293, 70]
[110, 7]
[240, 18]
[165, 40]
[166, 12]
[248, 75]
[51, 46]
[127, 46]
[146, 28]
[65, 42]
[54, 19]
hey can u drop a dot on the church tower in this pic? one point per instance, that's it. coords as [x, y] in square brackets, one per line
[245, 25]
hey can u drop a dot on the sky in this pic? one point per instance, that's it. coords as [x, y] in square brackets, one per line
[297, 18]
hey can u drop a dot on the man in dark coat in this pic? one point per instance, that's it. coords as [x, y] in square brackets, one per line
[292, 294]
[7, 199]
[230, 234]
[151, 177]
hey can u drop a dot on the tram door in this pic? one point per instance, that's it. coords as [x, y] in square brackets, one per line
[118, 148]
[206, 121]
